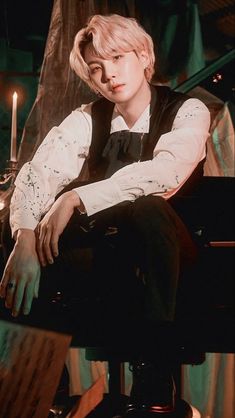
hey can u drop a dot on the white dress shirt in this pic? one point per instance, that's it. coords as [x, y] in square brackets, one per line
[60, 157]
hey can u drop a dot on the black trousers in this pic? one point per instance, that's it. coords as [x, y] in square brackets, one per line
[131, 256]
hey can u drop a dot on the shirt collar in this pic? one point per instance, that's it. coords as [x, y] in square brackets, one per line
[141, 125]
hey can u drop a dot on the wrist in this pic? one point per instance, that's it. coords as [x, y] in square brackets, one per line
[75, 201]
[26, 236]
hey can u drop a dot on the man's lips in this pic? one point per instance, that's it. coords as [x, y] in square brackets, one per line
[117, 87]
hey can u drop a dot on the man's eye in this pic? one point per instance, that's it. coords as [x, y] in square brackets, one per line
[94, 69]
[117, 57]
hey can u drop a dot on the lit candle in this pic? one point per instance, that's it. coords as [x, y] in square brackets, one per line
[14, 128]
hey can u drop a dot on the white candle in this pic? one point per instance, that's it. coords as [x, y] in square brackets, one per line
[14, 128]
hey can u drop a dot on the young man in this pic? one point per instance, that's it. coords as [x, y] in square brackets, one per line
[142, 145]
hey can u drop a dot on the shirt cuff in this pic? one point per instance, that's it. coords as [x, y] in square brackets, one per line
[99, 195]
[27, 224]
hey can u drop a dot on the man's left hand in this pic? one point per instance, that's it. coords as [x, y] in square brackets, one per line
[53, 224]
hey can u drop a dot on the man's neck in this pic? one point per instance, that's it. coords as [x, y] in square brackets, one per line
[132, 110]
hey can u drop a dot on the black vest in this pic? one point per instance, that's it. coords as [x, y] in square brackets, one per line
[164, 106]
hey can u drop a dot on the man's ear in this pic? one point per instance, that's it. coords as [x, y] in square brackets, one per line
[144, 58]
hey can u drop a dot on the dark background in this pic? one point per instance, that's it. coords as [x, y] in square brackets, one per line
[24, 24]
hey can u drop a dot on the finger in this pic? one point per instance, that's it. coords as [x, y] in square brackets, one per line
[36, 287]
[40, 232]
[18, 297]
[28, 297]
[4, 281]
[10, 293]
[40, 253]
[54, 244]
[47, 247]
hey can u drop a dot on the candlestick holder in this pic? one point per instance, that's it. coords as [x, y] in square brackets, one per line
[6, 185]
[9, 175]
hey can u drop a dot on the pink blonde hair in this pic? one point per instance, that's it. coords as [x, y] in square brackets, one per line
[107, 35]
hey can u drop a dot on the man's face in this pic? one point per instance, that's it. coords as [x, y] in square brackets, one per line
[117, 79]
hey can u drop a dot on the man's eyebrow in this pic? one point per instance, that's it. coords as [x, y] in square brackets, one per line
[93, 62]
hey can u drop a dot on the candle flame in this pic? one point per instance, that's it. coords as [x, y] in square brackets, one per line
[15, 95]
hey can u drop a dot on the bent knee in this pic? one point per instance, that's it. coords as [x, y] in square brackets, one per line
[150, 205]
[154, 212]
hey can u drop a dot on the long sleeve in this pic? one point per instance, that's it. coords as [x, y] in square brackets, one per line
[176, 155]
[61, 155]
[58, 161]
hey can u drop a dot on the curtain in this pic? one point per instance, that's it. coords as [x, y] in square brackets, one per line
[210, 386]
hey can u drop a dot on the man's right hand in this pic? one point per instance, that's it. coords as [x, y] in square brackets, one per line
[20, 280]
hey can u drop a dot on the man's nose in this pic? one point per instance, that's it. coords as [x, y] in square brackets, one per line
[109, 72]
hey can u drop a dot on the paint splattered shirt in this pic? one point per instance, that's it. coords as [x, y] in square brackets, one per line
[60, 157]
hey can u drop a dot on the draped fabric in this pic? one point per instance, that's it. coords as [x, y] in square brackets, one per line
[220, 146]
[210, 386]
[60, 91]
[175, 27]
[221, 143]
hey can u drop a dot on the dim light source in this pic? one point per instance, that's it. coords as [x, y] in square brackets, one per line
[14, 128]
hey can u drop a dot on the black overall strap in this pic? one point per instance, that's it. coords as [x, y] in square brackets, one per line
[101, 113]
[165, 103]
